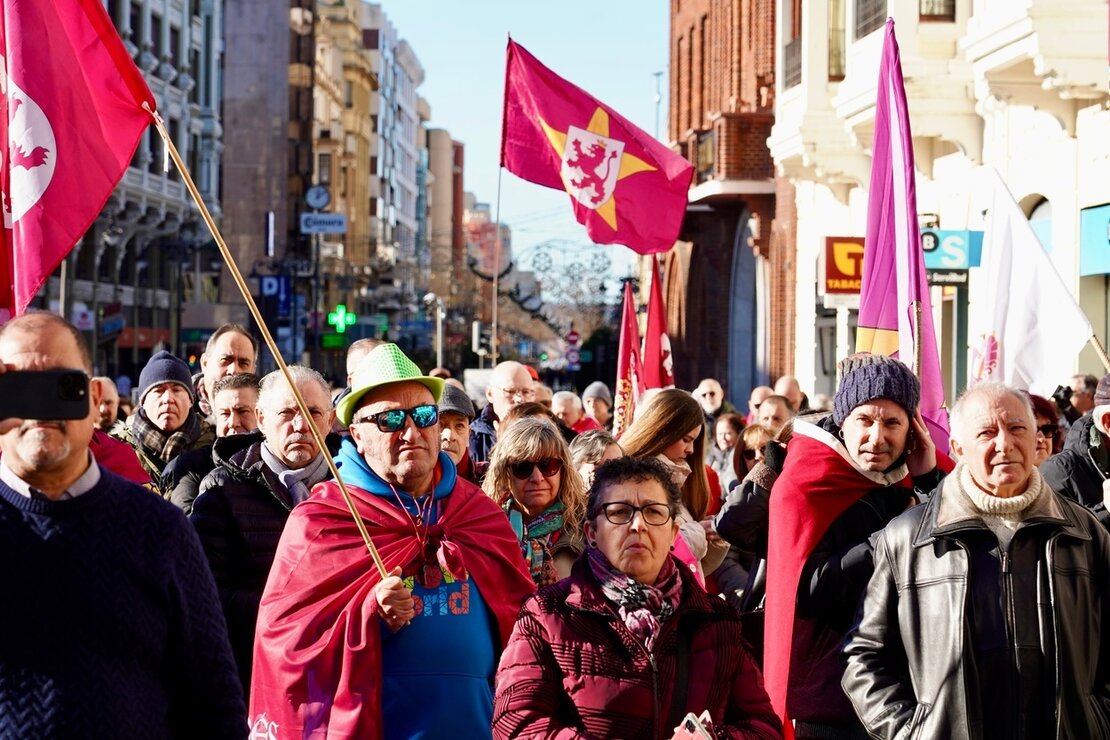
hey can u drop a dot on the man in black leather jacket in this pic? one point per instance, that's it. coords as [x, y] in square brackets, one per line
[985, 613]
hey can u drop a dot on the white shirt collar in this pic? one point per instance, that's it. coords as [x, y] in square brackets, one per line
[83, 484]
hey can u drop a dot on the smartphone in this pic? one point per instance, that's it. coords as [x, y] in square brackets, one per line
[693, 728]
[44, 395]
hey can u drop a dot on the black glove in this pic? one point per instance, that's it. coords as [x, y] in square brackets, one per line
[774, 455]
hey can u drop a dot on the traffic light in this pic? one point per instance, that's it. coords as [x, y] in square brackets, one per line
[543, 357]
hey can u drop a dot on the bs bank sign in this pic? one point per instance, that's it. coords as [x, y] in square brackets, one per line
[951, 250]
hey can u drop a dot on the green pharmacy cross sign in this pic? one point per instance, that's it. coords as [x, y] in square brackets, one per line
[340, 319]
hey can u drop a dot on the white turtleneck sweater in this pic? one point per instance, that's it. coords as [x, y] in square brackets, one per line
[1001, 515]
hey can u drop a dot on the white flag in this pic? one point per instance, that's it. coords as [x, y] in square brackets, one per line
[1025, 327]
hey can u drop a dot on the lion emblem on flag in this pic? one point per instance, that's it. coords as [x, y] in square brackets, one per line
[31, 149]
[590, 166]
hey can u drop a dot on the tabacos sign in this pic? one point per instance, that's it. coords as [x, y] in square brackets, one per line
[843, 264]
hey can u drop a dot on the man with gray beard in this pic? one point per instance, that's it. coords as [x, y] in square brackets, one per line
[244, 502]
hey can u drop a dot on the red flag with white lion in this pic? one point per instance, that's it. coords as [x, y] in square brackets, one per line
[71, 115]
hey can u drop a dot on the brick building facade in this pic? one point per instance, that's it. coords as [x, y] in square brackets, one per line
[728, 290]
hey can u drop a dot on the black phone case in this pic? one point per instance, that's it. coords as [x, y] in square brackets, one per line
[44, 395]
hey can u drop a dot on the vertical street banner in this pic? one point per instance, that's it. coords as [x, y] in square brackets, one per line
[895, 312]
[656, 355]
[630, 371]
[71, 116]
[1025, 326]
[625, 186]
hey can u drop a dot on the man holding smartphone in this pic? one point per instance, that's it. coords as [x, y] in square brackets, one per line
[111, 626]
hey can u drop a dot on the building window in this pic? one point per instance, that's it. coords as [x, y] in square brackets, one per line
[156, 36]
[175, 44]
[937, 10]
[323, 170]
[836, 40]
[870, 16]
[792, 53]
[348, 94]
[370, 38]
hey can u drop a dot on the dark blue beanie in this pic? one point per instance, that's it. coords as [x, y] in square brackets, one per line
[865, 377]
[164, 367]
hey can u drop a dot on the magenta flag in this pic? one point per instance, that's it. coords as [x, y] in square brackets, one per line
[630, 370]
[894, 277]
[625, 187]
[71, 114]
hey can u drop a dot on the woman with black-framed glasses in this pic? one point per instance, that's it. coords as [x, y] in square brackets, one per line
[629, 645]
[533, 479]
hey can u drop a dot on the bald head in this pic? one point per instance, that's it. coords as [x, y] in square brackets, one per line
[788, 386]
[510, 385]
[109, 402]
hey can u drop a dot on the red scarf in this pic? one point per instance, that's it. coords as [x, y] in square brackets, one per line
[317, 653]
[818, 483]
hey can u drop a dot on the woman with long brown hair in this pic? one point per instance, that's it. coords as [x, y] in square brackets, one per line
[671, 428]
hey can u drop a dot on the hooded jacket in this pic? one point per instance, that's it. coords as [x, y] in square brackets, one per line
[1078, 471]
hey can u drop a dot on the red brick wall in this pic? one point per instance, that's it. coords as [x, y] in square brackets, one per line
[782, 252]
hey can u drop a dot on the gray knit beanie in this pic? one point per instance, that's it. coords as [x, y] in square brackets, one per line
[865, 377]
[597, 389]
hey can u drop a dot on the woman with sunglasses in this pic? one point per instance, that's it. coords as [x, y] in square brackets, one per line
[671, 429]
[629, 644]
[531, 476]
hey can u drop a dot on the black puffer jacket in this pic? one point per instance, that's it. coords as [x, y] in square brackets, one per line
[183, 475]
[960, 639]
[239, 515]
[1078, 470]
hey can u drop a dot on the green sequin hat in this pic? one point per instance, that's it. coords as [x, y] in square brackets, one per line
[385, 365]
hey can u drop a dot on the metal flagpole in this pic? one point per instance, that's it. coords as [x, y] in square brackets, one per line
[496, 271]
[317, 435]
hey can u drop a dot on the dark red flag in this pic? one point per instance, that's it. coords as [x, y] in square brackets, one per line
[70, 120]
[658, 363]
[630, 370]
[625, 187]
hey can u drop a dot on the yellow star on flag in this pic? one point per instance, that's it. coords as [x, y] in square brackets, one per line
[630, 164]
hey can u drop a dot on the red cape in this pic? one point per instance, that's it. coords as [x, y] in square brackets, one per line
[317, 652]
[818, 483]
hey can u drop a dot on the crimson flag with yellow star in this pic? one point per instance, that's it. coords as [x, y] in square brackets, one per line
[625, 186]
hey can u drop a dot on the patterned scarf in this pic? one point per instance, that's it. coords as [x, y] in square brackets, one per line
[165, 446]
[536, 538]
[642, 608]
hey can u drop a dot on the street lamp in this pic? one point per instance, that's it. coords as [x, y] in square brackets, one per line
[431, 299]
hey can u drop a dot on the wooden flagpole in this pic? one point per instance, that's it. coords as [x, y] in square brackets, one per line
[317, 435]
[1093, 340]
[917, 338]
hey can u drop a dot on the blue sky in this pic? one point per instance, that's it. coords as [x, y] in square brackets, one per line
[610, 48]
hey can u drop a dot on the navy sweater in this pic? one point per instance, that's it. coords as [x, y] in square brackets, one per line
[109, 621]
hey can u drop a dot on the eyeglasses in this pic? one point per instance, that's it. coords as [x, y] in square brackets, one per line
[526, 394]
[749, 454]
[620, 513]
[549, 466]
[423, 416]
[1048, 430]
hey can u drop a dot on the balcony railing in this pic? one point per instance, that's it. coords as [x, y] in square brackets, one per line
[870, 16]
[937, 10]
[792, 63]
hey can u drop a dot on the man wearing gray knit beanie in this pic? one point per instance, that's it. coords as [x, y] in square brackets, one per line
[988, 605]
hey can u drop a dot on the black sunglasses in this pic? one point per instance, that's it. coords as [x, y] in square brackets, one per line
[749, 454]
[423, 416]
[549, 466]
[1048, 430]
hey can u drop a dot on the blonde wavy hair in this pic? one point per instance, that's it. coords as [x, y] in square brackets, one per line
[666, 418]
[534, 438]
